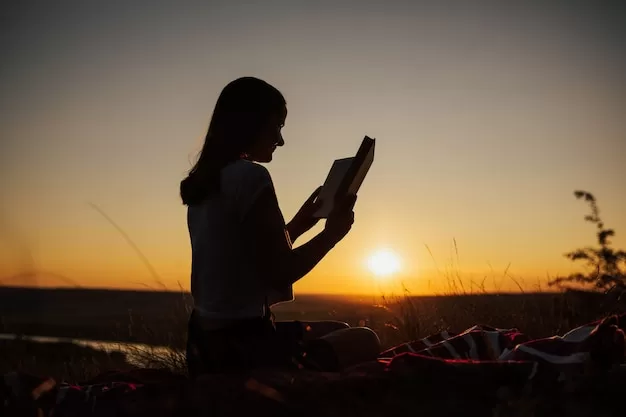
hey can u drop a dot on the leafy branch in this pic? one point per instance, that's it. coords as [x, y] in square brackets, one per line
[607, 265]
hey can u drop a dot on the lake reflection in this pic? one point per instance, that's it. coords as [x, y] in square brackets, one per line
[134, 352]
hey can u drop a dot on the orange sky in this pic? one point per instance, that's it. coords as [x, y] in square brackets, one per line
[487, 118]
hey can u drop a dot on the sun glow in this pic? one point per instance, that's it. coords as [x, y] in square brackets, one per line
[383, 263]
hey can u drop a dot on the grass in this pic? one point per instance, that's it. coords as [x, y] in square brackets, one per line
[62, 361]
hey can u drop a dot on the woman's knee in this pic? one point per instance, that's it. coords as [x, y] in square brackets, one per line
[318, 329]
[366, 338]
[354, 345]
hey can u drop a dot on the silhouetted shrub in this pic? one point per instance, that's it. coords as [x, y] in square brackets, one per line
[607, 265]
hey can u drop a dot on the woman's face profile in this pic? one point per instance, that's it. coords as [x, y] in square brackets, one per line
[270, 138]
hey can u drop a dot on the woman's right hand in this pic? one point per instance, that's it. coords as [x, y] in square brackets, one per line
[340, 220]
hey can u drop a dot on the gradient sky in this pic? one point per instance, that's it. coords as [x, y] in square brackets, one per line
[487, 117]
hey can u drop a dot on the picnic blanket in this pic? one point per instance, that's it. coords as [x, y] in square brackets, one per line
[475, 372]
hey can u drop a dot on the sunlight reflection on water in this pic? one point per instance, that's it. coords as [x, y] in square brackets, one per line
[130, 350]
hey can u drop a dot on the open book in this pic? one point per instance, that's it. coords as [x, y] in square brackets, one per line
[345, 177]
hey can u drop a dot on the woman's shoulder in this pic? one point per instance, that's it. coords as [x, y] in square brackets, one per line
[246, 171]
[245, 177]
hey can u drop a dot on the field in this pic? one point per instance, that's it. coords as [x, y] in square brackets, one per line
[160, 319]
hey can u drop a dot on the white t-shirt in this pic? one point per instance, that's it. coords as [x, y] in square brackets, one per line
[220, 266]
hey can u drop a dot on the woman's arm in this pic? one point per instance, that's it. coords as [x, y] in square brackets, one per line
[305, 219]
[274, 256]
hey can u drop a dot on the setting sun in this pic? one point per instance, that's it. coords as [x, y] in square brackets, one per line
[383, 263]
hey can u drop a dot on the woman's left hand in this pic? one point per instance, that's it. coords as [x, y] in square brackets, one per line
[304, 219]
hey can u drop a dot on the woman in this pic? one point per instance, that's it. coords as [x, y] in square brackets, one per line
[242, 255]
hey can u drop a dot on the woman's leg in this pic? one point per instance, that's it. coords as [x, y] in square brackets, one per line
[330, 345]
[308, 330]
[239, 347]
[317, 329]
[353, 345]
[306, 336]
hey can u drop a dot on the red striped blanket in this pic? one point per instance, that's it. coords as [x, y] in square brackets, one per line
[603, 339]
[496, 357]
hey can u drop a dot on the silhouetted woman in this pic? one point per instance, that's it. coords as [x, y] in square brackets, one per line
[242, 256]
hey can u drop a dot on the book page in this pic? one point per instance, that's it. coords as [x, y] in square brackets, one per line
[327, 196]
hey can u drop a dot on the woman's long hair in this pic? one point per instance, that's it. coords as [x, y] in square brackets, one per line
[243, 109]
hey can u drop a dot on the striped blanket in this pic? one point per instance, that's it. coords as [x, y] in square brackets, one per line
[603, 339]
[495, 357]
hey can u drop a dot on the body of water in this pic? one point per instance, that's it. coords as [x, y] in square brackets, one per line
[134, 352]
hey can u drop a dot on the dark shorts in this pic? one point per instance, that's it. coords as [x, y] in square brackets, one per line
[254, 343]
